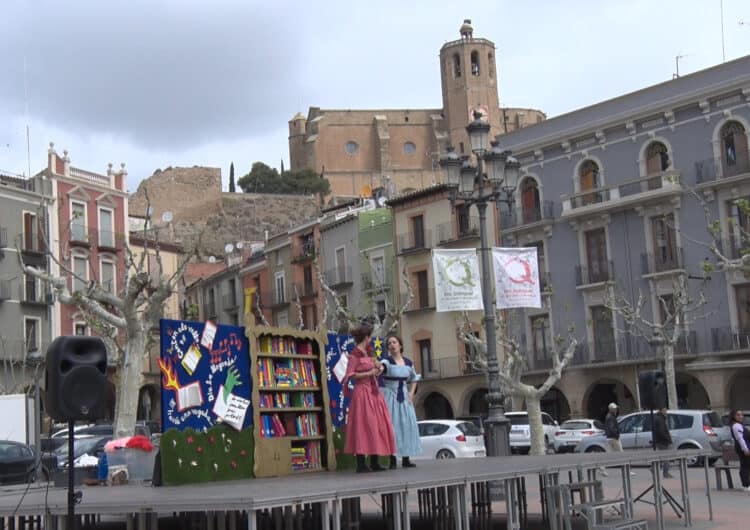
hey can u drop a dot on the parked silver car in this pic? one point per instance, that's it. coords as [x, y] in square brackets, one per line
[690, 429]
[571, 432]
[520, 431]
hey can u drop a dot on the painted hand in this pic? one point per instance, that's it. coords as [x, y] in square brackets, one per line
[233, 380]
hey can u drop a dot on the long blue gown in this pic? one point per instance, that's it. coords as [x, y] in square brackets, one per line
[395, 381]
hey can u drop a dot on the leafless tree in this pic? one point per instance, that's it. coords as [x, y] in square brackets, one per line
[381, 327]
[678, 309]
[512, 367]
[123, 319]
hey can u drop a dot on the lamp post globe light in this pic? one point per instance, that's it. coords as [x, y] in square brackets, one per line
[472, 185]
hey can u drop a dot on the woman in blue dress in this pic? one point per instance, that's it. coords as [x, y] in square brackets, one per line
[399, 385]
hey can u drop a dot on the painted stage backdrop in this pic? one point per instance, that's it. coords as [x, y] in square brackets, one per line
[205, 376]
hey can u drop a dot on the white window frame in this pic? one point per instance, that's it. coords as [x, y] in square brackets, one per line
[102, 262]
[38, 332]
[377, 282]
[282, 318]
[276, 277]
[340, 275]
[77, 323]
[35, 215]
[85, 219]
[73, 258]
[99, 224]
[37, 286]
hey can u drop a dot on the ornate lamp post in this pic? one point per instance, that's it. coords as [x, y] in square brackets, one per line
[471, 185]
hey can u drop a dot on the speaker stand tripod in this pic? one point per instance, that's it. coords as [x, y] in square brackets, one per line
[73, 496]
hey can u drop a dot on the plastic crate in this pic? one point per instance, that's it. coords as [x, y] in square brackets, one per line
[140, 464]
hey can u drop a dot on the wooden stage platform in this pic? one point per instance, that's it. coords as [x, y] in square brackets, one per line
[245, 500]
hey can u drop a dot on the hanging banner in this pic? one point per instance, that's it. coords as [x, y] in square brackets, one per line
[516, 277]
[457, 283]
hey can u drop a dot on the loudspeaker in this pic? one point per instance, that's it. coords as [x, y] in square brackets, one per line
[76, 378]
[653, 389]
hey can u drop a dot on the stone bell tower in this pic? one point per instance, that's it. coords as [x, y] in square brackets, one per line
[469, 82]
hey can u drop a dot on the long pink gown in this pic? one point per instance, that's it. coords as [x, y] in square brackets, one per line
[368, 425]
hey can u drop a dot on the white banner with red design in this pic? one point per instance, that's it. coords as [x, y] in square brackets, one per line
[458, 286]
[516, 277]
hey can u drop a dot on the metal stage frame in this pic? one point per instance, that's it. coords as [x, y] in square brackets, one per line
[327, 496]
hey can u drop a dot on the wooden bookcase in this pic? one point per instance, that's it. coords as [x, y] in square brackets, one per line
[291, 417]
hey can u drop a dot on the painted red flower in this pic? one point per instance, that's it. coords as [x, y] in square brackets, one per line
[334, 404]
[211, 440]
[199, 450]
[233, 464]
[189, 439]
[243, 453]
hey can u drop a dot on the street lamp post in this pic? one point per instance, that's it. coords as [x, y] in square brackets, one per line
[472, 185]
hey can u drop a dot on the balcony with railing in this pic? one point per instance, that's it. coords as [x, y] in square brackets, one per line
[622, 195]
[520, 218]
[230, 301]
[735, 247]
[304, 289]
[463, 228]
[256, 257]
[80, 235]
[33, 294]
[414, 242]
[108, 239]
[424, 301]
[595, 273]
[5, 290]
[371, 281]
[209, 311]
[663, 261]
[32, 249]
[714, 169]
[448, 367]
[305, 252]
[730, 339]
[280, 298]
[339, 278]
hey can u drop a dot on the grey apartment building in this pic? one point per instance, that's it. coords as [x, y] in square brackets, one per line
[25, 302]
[607, 196]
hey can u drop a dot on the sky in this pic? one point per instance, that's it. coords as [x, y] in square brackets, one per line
[158, 83]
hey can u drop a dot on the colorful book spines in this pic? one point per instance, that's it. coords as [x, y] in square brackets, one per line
[272, 426]
[307, 425]
[306, 456]
[285, 345]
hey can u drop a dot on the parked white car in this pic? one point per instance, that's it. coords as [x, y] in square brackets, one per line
[450, 439]
[571, 432]
[520, 432]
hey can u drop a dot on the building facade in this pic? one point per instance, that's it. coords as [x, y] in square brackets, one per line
[26, 303]
[378, 271]
[613, 195]
[424, 220]
[339, 262]
[360, 150]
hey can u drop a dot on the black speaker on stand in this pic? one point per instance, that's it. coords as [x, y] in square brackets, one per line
[76, 381]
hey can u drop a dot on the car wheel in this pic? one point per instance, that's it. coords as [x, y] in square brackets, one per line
[695, 461]
[595, 449]
[443, 454]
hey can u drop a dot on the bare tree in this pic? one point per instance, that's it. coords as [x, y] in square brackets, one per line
[512, 367]
[123, 319]
[678, 310]
[381, 327]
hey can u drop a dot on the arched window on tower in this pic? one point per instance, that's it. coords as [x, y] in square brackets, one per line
[589, 180]
[490, 63]
[657, 162]
[456, 65]
[475, 63]
[734, 155]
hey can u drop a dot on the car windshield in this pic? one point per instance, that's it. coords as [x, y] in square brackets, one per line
[468, 429]
[519, 420]
[9, 450]
[80, 447]
[712, 419]
[575, 425]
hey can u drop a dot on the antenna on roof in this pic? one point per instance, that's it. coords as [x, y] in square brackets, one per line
[677, 58]
[26, 103]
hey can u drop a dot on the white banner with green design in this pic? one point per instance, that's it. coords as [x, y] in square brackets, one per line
[457, 283]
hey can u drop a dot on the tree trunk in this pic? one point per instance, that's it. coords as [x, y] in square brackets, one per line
[534, 408]
[670, 375]
[131, 377]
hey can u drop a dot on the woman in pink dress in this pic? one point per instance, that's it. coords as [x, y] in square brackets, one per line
[368, 425]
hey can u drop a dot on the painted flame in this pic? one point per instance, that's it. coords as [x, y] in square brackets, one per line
[170, 377]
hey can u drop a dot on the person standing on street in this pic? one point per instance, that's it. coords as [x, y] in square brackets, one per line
[662, 437]
[612, 429]
[741, 437]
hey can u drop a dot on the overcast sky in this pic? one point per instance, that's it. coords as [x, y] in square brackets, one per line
[157, 83]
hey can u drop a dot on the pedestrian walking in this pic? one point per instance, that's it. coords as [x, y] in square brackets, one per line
[612, 429]
[662, 437]
[741, 437]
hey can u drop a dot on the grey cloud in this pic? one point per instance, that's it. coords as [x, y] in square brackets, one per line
[158, 75]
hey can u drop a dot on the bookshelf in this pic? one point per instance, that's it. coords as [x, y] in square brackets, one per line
[291, 423]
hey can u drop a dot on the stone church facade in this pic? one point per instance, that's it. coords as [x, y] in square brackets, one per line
[360, 150]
